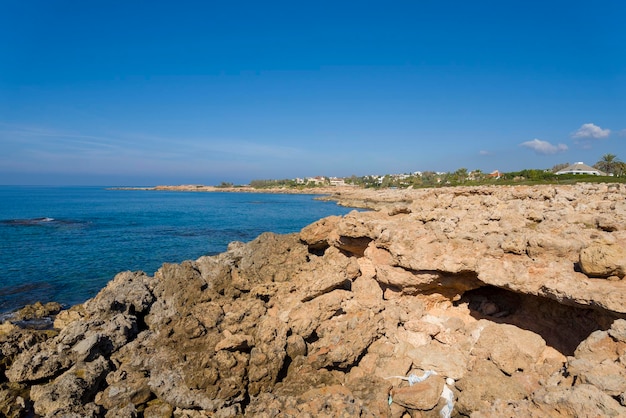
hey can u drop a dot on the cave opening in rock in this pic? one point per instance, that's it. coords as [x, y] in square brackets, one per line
[563, 327]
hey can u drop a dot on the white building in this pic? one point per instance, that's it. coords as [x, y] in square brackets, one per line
[581, 168]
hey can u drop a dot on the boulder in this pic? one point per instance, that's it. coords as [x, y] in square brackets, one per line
[602, 260]
[419, 396]
[483, 385]
[510, 348]
[73, 391]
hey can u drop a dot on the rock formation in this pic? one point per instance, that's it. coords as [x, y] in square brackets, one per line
[482, 302]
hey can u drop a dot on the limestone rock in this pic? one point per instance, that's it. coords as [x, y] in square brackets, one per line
[447, 361]
[422, 396]
[599, 360]
[343, 340]
[317, 235]
[601, 260]
[510, 348]
[581, 400]
[37, 310]
[481, 284]
[483, 385]
[71, 392]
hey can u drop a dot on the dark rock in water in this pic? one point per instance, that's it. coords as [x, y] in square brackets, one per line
[36, 316]
[37, 310]
[49, 222]
[475, 289]
[27, 222]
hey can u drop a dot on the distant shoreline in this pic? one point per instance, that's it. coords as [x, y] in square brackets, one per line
[243, 189]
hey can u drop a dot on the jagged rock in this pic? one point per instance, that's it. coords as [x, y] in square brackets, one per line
[445, 360]
[480, 284]
[71, 392]
[330, 401]
[37, 310]
[79, 341]
[158, 409]
[483, 385]
[128, 411]
[128, 292]
[239, 342]
[66, 317]
[580, 400]
[305, 318]
[422, 396]
[14, 400]
[14, 340]
[317, 235]
[510, 348]
[599, 360]
[343, 340]
[267, 356]
[325, 274]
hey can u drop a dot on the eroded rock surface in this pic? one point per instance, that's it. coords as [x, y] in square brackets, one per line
[513, 296]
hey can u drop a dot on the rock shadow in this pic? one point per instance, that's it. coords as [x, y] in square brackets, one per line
[563, 327]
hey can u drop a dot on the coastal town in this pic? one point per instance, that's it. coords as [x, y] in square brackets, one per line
[609, 168]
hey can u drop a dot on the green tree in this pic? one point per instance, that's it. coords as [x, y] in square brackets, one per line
[430, 178]
[608, 163]
[460, 175]
[620, 169]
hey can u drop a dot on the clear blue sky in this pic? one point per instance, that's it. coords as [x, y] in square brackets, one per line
[144, 93]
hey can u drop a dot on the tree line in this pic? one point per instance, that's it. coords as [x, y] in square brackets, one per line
[609, 163]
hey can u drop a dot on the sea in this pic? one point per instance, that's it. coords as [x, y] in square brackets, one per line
[64, 244]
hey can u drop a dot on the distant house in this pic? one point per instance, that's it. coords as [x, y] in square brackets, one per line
[318, 180]
[494, 175]
[581, 168]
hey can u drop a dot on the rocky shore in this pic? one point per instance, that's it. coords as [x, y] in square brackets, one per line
[320, 190]
[481, 302]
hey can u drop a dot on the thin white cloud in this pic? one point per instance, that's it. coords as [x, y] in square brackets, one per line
[544, 147]
[590, 130]
[32, 148]
[485, 152]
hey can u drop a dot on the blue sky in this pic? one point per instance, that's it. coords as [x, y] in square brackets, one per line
[145, 93]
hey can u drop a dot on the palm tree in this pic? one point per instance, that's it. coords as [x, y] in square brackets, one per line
[460, 175]
[620, 169]
[608, 163]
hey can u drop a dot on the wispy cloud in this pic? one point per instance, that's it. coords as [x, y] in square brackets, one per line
[544, 147]
[485, 152]
[29, 149]
[590, 130]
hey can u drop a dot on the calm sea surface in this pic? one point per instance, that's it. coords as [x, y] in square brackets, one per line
[65, 243]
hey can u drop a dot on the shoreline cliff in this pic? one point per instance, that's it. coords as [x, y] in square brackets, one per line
[468, 301]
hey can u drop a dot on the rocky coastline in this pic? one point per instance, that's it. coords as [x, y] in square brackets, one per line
[318, 190]
[468, 301]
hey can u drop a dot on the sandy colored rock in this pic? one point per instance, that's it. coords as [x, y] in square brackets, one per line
[420, 396]
[485, 285]
[483, 385]
[510, 348]
[602, 260]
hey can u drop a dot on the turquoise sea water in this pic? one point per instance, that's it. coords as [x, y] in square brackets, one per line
[65, 243]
